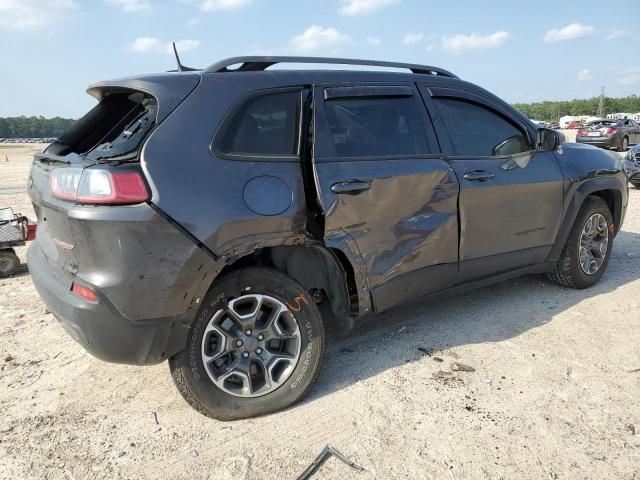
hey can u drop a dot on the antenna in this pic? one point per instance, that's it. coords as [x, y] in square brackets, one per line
[181, 68]
[175, 51]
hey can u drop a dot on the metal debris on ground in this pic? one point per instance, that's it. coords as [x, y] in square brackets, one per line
[461, 367]
[320, 459]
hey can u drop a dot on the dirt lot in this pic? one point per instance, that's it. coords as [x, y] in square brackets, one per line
[555, 392]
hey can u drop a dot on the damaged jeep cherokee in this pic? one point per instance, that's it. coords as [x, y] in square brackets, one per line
[201, 217]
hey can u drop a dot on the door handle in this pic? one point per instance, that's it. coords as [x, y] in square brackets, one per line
[350, 187]
[478, 176]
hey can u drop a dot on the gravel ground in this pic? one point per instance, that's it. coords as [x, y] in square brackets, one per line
[554, 392]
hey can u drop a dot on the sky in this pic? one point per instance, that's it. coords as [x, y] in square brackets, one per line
[52, 50]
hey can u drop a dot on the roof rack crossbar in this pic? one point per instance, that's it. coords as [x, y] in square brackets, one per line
[253, 64]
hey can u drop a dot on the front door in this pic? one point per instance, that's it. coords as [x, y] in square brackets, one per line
[389, 200]
[511, 196]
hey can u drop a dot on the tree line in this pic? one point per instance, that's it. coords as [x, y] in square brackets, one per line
[552, 111]
[34, 127]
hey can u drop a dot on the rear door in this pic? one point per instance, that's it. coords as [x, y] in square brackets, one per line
[511, 196]
[389, 200]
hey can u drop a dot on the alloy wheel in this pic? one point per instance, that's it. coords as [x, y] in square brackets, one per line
[251, 347]
[594, 243]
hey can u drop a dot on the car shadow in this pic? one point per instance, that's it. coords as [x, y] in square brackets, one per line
[491, 314]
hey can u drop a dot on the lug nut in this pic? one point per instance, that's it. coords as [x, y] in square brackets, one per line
[260, 337]
[258, 350]
[245, 355]
[239, 343]
[248, 332]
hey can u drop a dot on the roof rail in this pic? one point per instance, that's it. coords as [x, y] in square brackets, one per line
[253, 64]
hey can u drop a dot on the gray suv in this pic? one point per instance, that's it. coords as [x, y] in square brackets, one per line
[207, 217]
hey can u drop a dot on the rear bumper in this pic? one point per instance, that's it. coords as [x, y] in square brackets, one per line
[99, 327]
[598, 141]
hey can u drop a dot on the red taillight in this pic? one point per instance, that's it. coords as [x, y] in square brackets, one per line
[31, 231]
[610, 131]
[84, 292]
[581, 132]
[99, 186]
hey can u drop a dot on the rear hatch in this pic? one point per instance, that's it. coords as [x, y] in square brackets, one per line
[99, 154]
[600, 129]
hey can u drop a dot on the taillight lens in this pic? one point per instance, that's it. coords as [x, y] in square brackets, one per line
[64, 182]
[84, 292]
[581, 132]
[99, 186]
[610, 131]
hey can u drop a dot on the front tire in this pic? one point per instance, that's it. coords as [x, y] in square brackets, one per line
[255, 347]
[588, 249]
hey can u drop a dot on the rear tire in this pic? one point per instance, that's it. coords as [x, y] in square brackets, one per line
[624, 144]
[636, 184]
[255, 347]
[572, 269]
[9, 262]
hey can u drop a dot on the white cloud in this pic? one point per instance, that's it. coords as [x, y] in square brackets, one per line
[459, 43]
[28, 14]
[145, 45]
[570, 32]
[362, 7]
[211, 5]
[429, 47]
[183, 46]
[412, 38]
[584, 75]
[614, 34]
[155, 45]
[132, 5]
[375, 41]
[316, 38]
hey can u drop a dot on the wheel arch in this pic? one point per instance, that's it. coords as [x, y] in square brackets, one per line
[607, 188]
[314, 265]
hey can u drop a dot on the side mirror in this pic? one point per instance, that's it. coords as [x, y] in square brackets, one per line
[548, 140]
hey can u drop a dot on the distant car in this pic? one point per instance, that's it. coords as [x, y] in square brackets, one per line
[573, 125]
[617, 134]
[632, 166]
[554, 125]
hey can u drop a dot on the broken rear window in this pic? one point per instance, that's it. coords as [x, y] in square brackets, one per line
[112, 130]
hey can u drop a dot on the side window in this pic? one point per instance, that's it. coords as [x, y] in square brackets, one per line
[475, 130]
[375, 126]
[264, 125]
